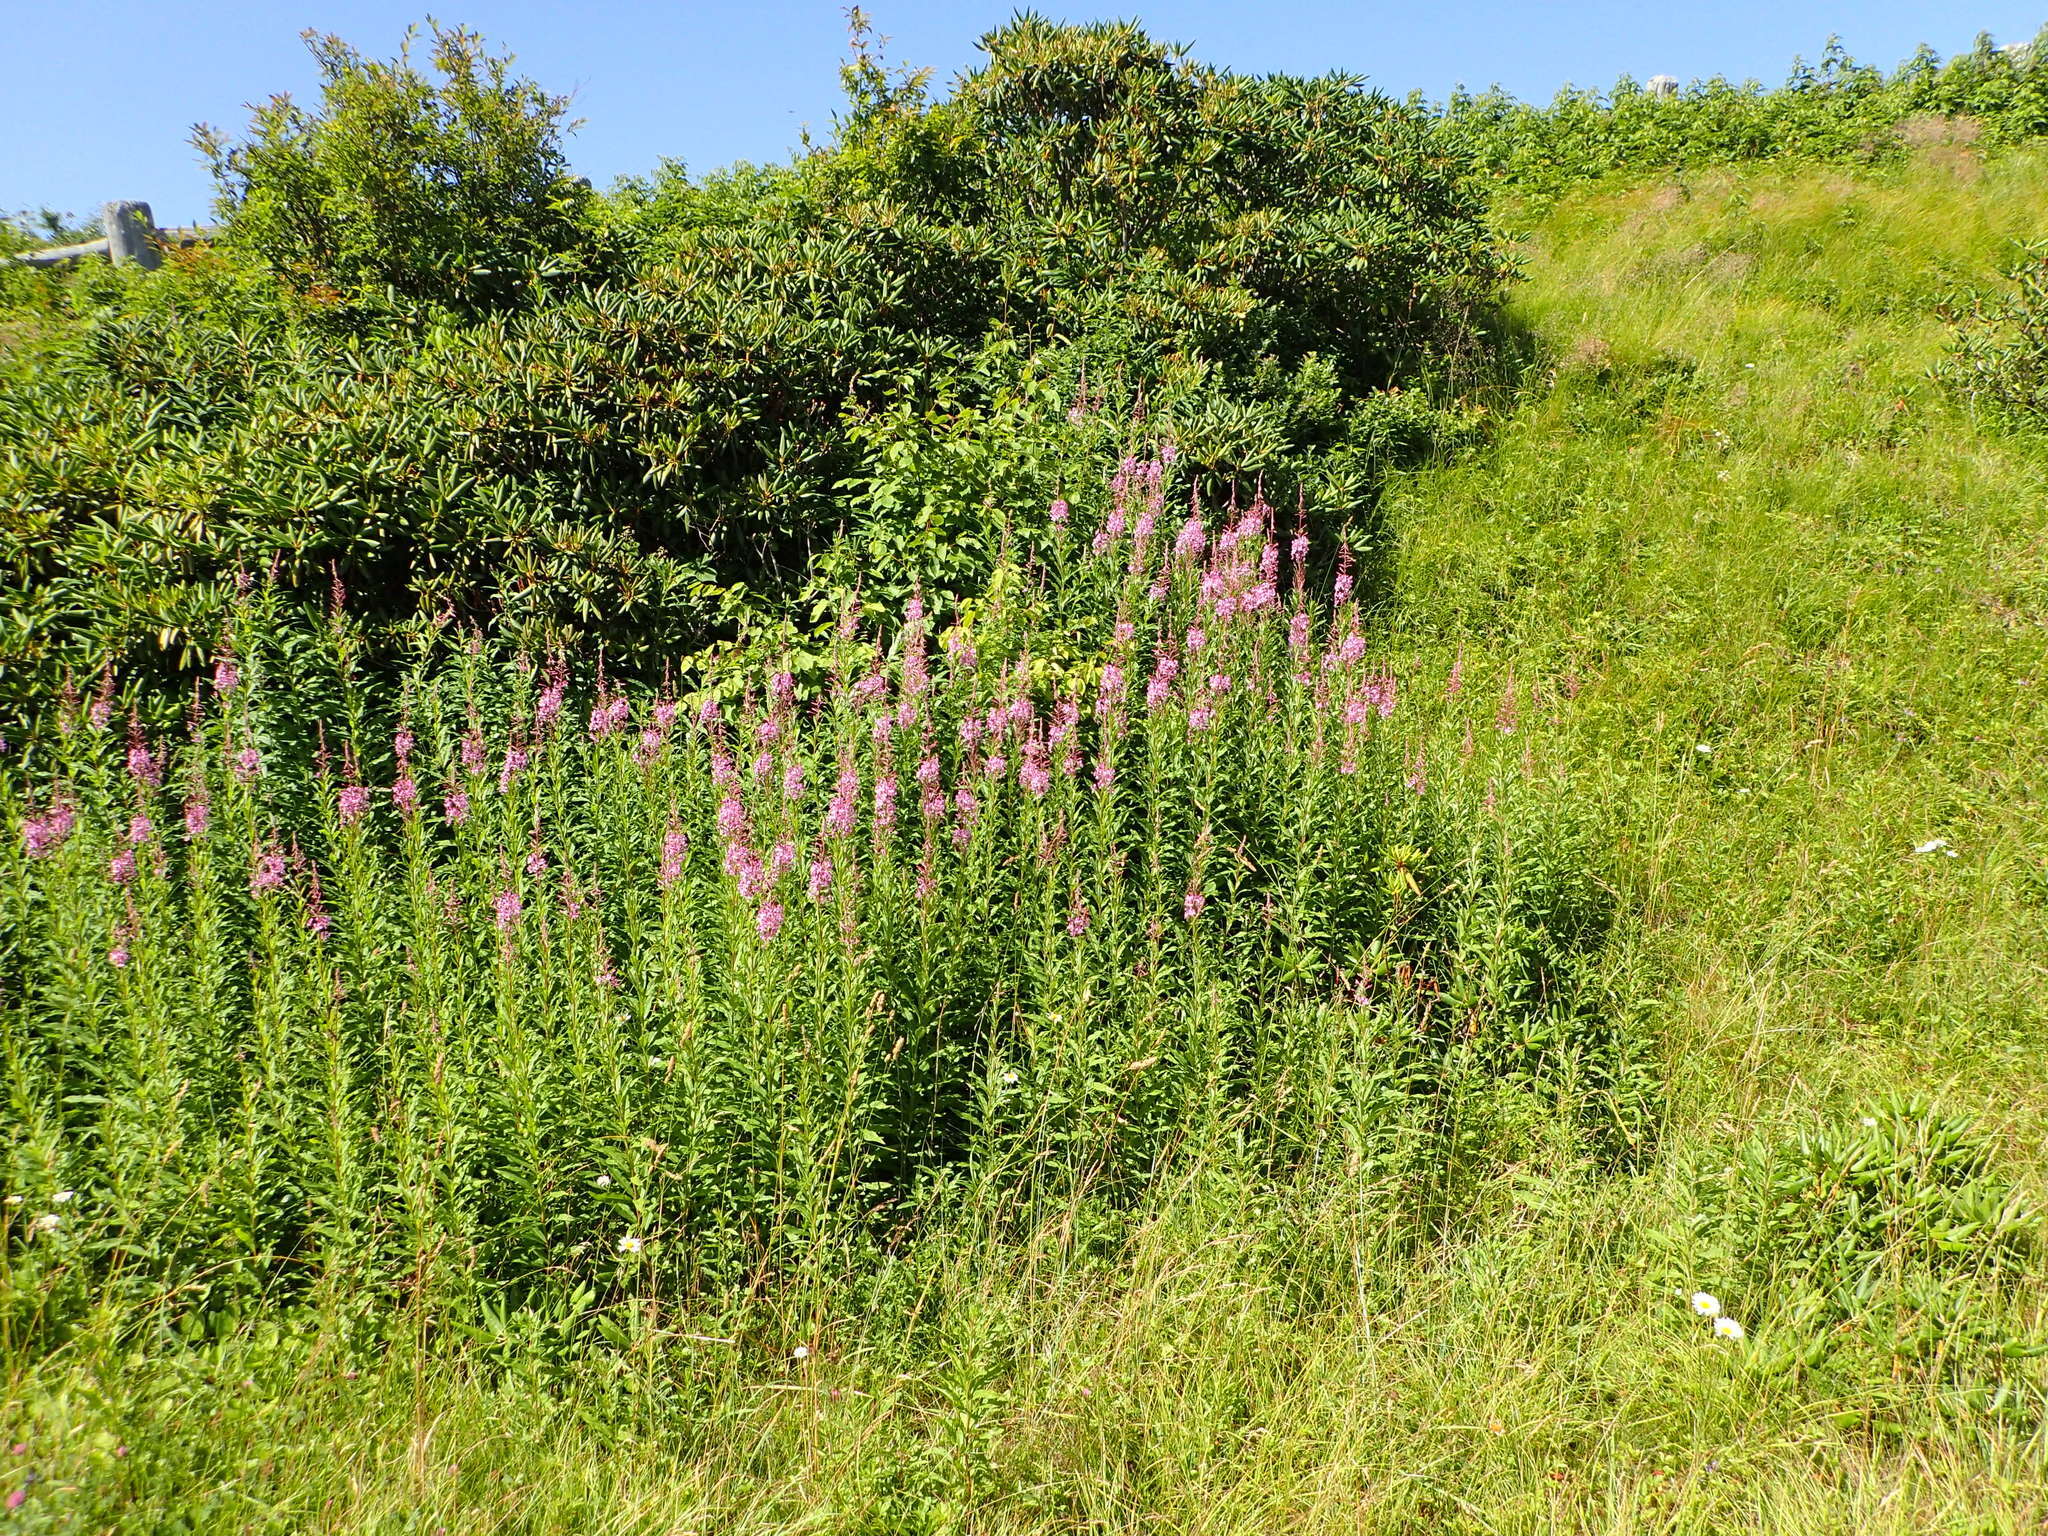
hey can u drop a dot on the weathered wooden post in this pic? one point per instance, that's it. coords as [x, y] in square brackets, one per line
[1663, 87]
[131, 235]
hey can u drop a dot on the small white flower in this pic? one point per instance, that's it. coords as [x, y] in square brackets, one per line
[658, 1063]
[801, 1352]
[1706, 1303]
[1870, 1122]
[1009, 1079]
[14, 1199]
[1704, 750]
[46, 1223]
[63, 1197]
[604, 1181]
[1727, 1328]
[1932, 845]
[630, 1245]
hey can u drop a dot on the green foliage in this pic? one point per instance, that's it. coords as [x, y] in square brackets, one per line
[447, 191]
[1998, 351]
[645, 423]
[690, 1005]
[1839, 111]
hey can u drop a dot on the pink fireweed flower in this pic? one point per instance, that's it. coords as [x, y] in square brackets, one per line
[537, 861]
[514, 764]
[1111, 694]
[1059, 512]
[1188, 544]
[473, 753]
[885, 802]
[665, 716]
[352, 802]
[1298, 550]
[996, 766]
[198, 815]
[1160, 688]
[100, 713]
[768, 731]
[1078, 918]
[248, 763]
[402, 744]
[1342, 594]
[1418, 774]
[932, 803]
[621, 711]
[1191, 906]
[1033, 776]
[548, 708]
[878, 731]
[839, 816]
[226, 679]
[1196, 639]
[405, 794]
[1201, 717]
[782, 689]
[870, 688]
[43, 835]
[1357, 709]
[723, 771]
[121, 868]
[269, 872]
[969, 809]
[928, 770]
[1105, 775]
[508, 907]
[455, 806]
[820, 877]
[674, 845]
[768, 921]
[732, 819]
[707, 714]
[647, 747]
[117, 957]
[1297, 632]
[1219, 682]
[781, 857]
[142, 767]
[793, 780]
[747, 870]
[140, 829]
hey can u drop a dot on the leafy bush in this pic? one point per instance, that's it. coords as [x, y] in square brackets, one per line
[1998, 351]
[1838, 110]
[445, 192]
[645, 422]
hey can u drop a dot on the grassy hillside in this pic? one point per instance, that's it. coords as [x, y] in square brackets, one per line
[1738, 587]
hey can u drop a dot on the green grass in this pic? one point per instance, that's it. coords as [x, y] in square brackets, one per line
[1728, 511]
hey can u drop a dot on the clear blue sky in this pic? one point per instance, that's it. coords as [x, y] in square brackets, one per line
[100, 95]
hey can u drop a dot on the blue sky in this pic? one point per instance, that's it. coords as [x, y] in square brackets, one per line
[100, 95]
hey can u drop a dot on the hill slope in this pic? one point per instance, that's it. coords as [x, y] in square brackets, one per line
[1777, 613]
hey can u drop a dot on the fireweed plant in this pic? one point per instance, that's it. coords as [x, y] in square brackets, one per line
[668, 997]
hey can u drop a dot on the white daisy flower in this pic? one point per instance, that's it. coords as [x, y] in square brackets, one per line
[63, 1197]
[1727, 1328]
[1932, 845]
[801, 1352]
[1009, 1079]
[630, 1245]
[604, 1181]
[46, 1223]
[1706, 1303]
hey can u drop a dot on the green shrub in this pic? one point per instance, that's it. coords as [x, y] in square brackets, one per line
[444, 192]
[1998, 350]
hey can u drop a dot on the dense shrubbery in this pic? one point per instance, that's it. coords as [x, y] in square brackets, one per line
[1839, 110]
[649, 417]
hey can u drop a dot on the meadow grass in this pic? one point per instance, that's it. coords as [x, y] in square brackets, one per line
[1733, 583]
